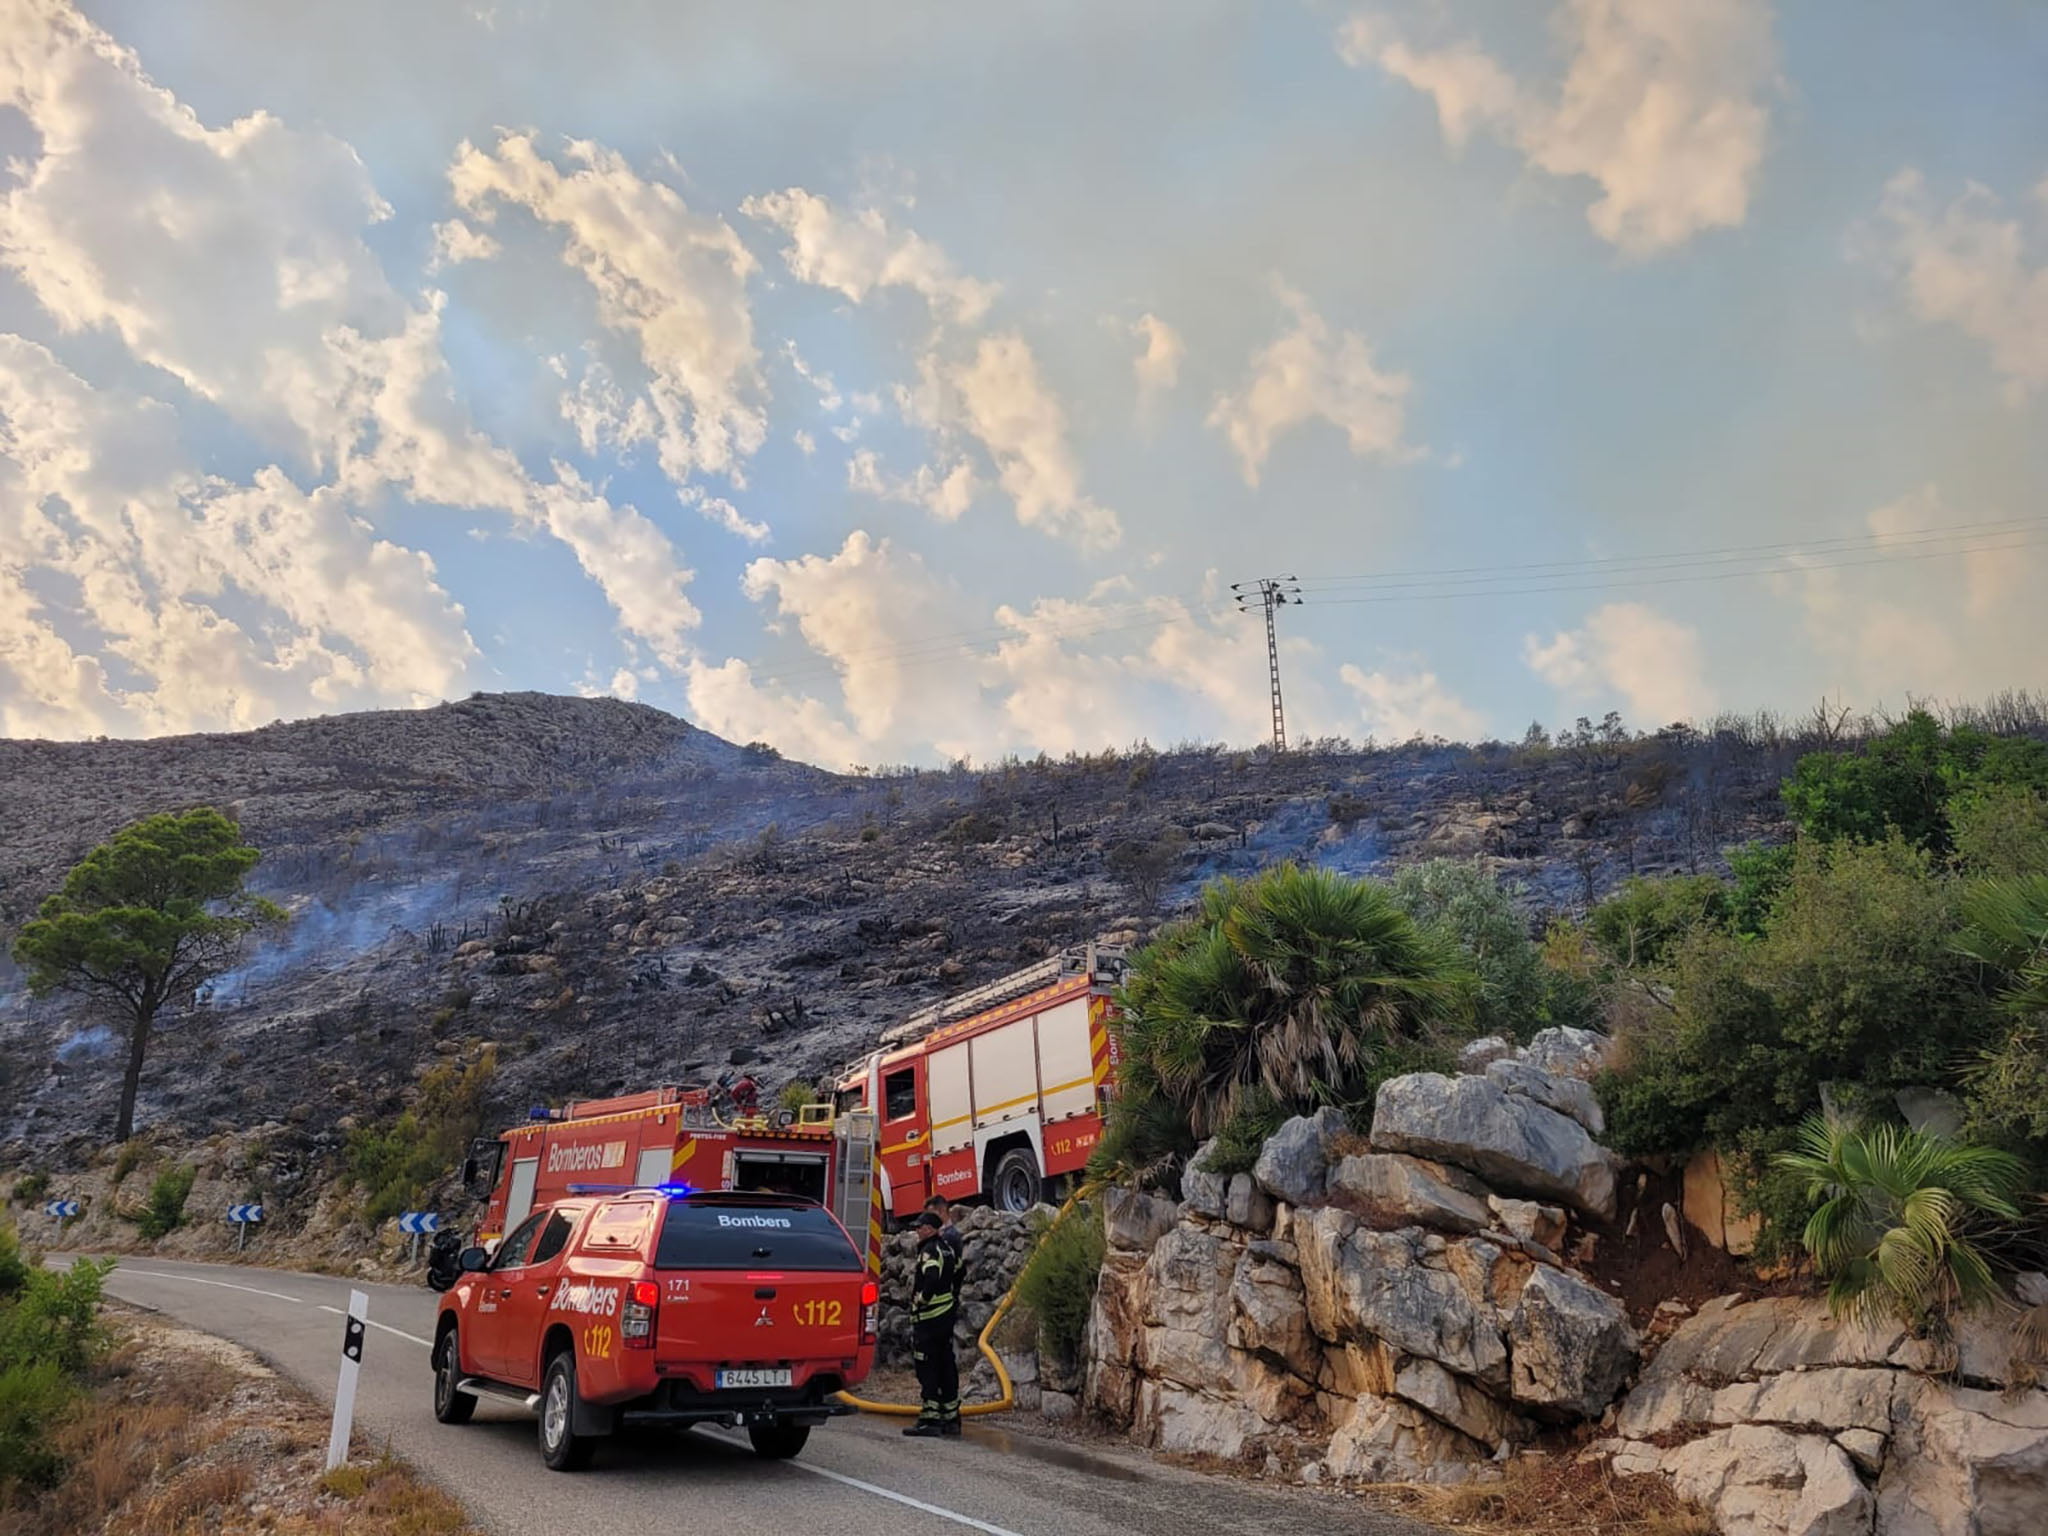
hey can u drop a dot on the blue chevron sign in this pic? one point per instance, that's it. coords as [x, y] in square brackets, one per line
[245, 1213]
[416, 1222]
[63, 1210]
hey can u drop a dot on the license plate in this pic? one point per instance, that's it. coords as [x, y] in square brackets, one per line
[754, 1378]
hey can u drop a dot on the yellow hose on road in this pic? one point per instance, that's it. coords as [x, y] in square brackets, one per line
[1008, 1397]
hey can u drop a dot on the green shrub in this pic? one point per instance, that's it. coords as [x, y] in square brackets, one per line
[130, 1157]
[796, 1095]
[1057, 1285]
[394, 1165]
[165, 1212]
[1642, 925]
[31, 1187]
[1516, 993]
[2001, 832]
[1905, 779]
[49, 1333]
[1856, 981]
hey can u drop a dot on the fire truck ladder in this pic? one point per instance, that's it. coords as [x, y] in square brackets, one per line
[856, 1198]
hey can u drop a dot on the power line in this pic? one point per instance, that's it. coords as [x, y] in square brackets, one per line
[1904, 547]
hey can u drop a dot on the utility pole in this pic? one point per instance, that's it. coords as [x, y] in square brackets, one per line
[1268, 593]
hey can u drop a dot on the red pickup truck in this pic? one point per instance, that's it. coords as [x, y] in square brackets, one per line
[655, 1307]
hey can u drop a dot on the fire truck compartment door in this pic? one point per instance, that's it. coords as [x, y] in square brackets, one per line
[654, 1165]
[783, 1173]
[519, 1200]
[1065, 1064]
[951, 1113]
[1005, 1075]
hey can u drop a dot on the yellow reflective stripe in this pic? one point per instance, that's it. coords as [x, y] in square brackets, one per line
[956, 1120]
[904, 1146]
[989, 1109]
[1079, 1082]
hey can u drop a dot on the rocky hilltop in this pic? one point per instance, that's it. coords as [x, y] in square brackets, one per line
[606, 896]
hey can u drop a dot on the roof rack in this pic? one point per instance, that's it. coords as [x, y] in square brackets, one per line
[1105, 963]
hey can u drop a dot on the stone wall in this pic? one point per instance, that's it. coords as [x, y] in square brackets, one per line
[1392, 1311]
[994, 1248]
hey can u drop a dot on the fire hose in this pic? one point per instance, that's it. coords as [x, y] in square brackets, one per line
[1007, 1392]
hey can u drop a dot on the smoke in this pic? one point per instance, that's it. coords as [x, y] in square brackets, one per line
[88, 1044]
[324, 933]
[1300, 830]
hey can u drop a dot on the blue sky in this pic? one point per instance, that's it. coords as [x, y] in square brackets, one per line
[901, 383]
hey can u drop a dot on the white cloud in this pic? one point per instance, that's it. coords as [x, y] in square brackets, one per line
[456, 242]
[672, 280]
[805, 443]
[233, 258]
[1660, 106]
[1158, 364]
[1654, 664]
[216, 604]
[998, 398]
[1399, 706]
[945, 495]
[829, 398]
[855, 253]
[1309, 374]
[1966, 266]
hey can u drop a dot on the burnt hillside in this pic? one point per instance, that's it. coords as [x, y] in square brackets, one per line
[613, 897]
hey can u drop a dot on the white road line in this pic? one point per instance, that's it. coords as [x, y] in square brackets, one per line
[412, 1337]
[882, 1493]
[157, 1274]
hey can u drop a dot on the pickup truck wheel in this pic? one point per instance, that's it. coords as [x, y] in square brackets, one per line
[560, 1446]
[778, 1442]
[451, 1406]
[1015, 1185]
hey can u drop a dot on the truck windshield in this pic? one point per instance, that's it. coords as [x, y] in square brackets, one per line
[747, 1237]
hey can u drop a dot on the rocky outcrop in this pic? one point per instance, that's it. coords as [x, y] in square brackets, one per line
[1294, 1163]
[1516, 1144]
[1364, 1314]
[1782, 1422]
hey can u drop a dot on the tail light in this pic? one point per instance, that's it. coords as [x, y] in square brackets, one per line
[870, 1311]
[636, 1326]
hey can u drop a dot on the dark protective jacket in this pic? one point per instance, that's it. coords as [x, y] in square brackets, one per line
[935, 1293]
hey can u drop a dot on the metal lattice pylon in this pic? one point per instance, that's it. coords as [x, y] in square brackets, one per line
[1269, 593]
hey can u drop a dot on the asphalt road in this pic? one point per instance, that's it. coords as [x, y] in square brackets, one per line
[857, 1477]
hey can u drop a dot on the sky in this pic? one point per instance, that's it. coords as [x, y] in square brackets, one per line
[897, 384]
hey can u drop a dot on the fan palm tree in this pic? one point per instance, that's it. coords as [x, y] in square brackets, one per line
[1280, 992]
[1895, 1232]
[2008, 931]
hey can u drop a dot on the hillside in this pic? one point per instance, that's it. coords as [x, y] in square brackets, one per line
[612, 897]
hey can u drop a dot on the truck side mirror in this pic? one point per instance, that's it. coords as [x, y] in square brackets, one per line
[473, 1260]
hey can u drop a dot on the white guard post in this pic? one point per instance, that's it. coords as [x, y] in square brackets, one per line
[345, 1386]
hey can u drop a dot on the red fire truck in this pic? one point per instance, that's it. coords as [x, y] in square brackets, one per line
[997, 1093]
[666, 1137]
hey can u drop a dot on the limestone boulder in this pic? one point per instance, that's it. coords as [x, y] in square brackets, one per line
[1190, 1423]
[1529, 1220]
[1568, 1052]
[1965, 1463]
[1202, 1191]
[1483, 1052]
[1571, 1346]
[1247, 1205]
[1567, 1095]
[1115, 1326]
[1385, 1440]
[1269, 1311]
[1294, 1164]
[1133, 1221]
[1518, 1146]
[1187, 1317]
[1388, 1189]
[1364, 1285]
[1759, 1481]
[1455, 1400]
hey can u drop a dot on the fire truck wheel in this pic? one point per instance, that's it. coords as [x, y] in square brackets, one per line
[778, 1442]
[560, 1446]
[450, 1406]
[1015, 1185]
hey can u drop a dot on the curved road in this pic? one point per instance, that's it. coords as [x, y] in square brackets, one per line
[858, 1476]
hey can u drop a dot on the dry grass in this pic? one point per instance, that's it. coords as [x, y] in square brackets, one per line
[1557, 1496]
[184, 1436]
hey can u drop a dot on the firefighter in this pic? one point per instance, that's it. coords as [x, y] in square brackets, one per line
[934, 1300]
[942, 1208]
